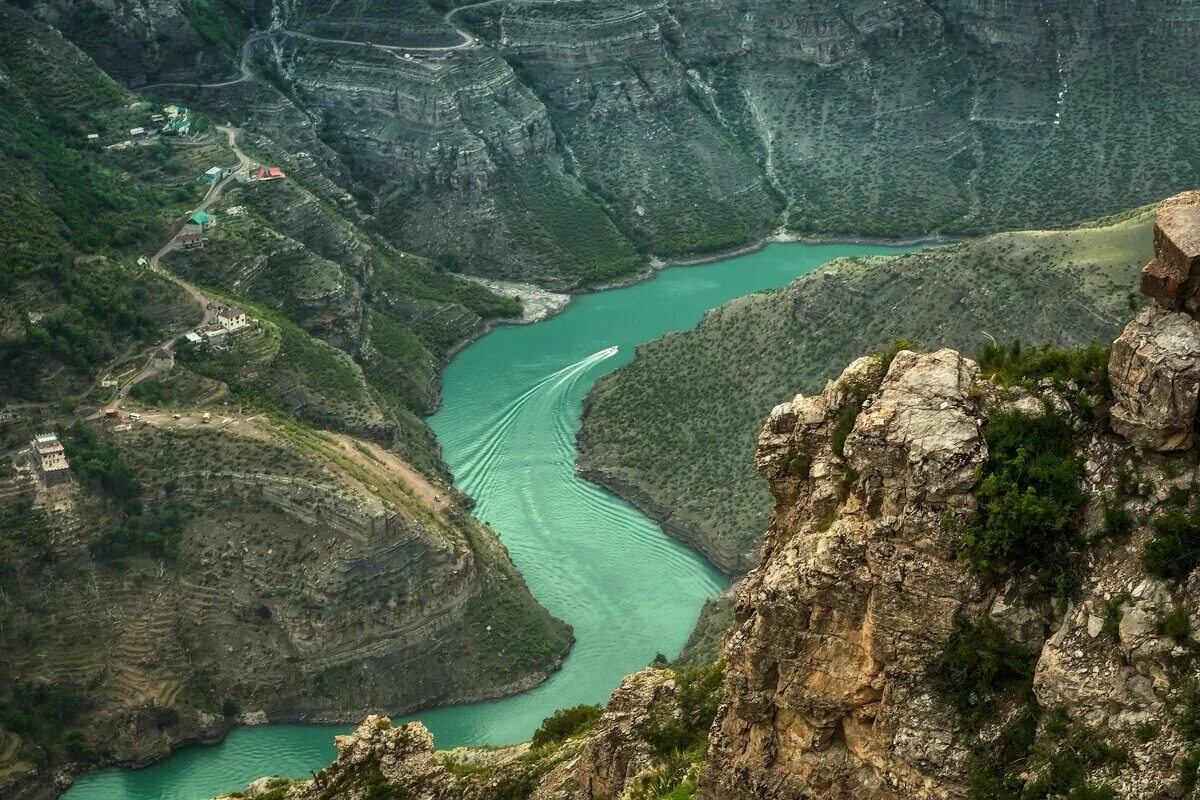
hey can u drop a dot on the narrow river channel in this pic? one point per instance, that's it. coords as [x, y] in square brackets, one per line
[511, 409]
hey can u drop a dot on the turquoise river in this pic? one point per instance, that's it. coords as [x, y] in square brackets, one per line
[511, 409]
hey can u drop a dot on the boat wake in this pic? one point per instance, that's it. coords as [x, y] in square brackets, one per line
[479, 471]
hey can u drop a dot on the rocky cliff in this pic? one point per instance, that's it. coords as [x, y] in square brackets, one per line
[872, 581]
[567, 142]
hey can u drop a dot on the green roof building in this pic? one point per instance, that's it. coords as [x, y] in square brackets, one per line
[201, 218]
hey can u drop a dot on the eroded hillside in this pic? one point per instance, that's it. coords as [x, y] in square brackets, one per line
[567, 142]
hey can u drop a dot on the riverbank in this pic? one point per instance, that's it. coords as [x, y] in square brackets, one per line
[61, 784]
[732, 564]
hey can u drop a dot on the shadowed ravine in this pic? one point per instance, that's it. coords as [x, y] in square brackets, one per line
[512, 406]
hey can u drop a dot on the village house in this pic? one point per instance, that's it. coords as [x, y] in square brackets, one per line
[214, 174]
[268, 174]
[190, 240]
[164, 359]
[200, 222]
[231, 319]
[50, 459]
[178, 120]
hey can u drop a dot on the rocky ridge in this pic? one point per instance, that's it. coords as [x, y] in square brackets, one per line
[862, 582]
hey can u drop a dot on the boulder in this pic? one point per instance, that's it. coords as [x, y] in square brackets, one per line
[1154, 370]
[1172, 279]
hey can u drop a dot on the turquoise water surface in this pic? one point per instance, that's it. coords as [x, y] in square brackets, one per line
[511, 409]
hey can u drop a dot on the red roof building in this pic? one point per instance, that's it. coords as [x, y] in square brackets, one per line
[268, 174]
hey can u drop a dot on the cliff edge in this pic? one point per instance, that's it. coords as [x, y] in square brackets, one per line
[979, 574]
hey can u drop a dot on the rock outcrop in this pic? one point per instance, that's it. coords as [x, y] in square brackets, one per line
[1155, 366]
[828, 692]
[615, 752]
[859, 582]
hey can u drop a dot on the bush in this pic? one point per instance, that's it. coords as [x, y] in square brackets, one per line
[1030, 497]
[566, 723]
[1065, 758]
[1118, 520]
[101, 467]
[1013, 364]
[978, 667]
[1186, 711]
[1020, 766]
[698, 694]
[1174, 550]
[1177, 623]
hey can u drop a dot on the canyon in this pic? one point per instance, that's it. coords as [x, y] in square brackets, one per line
[895, 641]
[435, 156]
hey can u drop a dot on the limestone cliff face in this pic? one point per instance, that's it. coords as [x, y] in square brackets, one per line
[640, 128]
[827, 692]
[858, 584]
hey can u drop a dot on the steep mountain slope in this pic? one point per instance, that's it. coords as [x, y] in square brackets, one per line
[639, 435]
[204, 576]
[565, 142]
[68, 213]
[978, 582]
[222, 559]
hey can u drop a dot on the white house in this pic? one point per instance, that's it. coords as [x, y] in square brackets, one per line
[50, 458]
[232, 318]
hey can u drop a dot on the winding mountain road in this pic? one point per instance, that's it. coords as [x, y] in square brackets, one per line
[468, 41]
[210, 198]
[243, 67]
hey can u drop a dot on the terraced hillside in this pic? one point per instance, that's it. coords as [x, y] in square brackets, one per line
[568, 142]
[641, 423]
[200, 572]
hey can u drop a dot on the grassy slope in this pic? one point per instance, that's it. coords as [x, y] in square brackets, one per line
[677, 427]
[61, 201]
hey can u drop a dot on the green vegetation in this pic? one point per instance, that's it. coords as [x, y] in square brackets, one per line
[221, 23]
[678, 733]
[1030, 496]
[1014, 364]
[101, 466]
[42, 714]
[1177, 623]
[1174, 549]
[1185, 712]
[681, 422]
[566, 723]
[1061, 762]
[979, 667]
[1118, 520]
[698, 692]
[71, 217]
